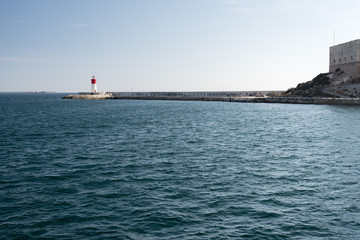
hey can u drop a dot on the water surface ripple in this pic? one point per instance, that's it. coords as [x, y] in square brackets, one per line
[77, 169]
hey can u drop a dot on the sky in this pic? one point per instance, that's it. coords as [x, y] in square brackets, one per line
[169, 45]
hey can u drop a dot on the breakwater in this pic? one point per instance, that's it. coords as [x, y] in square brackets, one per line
[238, 96]
[306, 100]
[196, 96]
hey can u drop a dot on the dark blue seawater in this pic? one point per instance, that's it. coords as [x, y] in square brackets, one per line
[121, 169]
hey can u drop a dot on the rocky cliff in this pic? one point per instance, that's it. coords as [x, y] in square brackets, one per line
[331, 84]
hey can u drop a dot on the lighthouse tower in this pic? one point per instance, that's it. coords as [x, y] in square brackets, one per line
[93, 85]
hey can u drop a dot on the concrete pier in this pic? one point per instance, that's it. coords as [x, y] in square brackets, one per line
[196, 96]
[216, 96]
[89, 96]
[307, 100]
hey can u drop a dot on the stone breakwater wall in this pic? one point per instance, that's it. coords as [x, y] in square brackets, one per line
[204, 94]
[221, 98]
[307, 100]
[89, 96]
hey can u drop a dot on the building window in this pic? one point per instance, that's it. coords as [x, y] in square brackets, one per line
[351, 58]
[339, 60]
[334, 61]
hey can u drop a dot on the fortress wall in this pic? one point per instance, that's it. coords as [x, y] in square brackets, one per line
[346, 56]
[345, 53]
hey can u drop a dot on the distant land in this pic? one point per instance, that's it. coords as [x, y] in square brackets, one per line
[44, 91]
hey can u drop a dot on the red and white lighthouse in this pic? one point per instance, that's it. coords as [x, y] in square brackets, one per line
[93, 85]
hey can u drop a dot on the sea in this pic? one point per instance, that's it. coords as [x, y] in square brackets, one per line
[135, 169]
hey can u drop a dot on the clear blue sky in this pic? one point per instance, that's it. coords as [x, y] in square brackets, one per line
[169, 45]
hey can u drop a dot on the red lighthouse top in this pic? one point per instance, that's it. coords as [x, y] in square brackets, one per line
[93, 80]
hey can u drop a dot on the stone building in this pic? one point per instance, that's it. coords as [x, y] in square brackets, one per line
[346, 57]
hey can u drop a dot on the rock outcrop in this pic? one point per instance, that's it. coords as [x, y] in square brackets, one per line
[331, 84]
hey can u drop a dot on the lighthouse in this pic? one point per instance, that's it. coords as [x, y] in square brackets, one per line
[93, 85]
